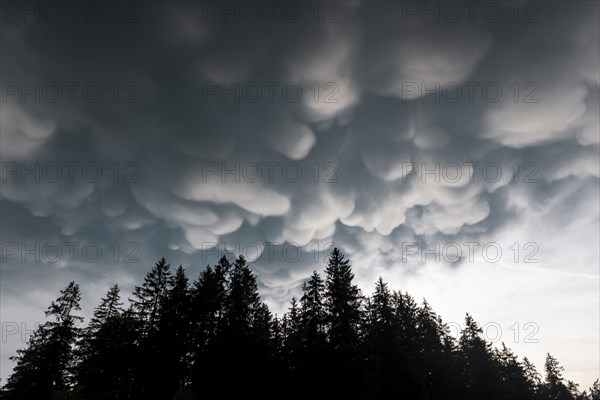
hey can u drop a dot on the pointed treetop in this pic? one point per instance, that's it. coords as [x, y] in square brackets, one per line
[109, 307]
[68, 302]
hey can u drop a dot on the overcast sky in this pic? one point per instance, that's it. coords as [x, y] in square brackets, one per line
[452, 149]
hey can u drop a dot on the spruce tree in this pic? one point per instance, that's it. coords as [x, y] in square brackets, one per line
[430, 363]
[380, 325]
[342, 301]
[208, 304]
[45, 367]
[531, 375]
[110, 307]
[148, 306]
[175, 335]
[346, 365]
[293, 328]
[514, 382]
[242, 302]
[106, 350]
[595, 390]
[381, 336]
[479, 371]
[243, 333]
[149, 299]
[554, 386]
[312, 312]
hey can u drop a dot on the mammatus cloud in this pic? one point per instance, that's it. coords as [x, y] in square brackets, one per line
[372, 130]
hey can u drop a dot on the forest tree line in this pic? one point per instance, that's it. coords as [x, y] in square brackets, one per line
[214, 339]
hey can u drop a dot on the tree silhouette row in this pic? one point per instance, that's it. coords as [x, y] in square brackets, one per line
[216, 339]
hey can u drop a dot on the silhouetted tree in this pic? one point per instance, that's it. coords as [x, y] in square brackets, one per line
[104, 368]
[208, 302]
[175, 335]
[531, 375]
[44, 368]
[595, 391]
[380, 322]
[148, 305]
[381, 335]
[406, 346]
[342, 300]
[149, 299]
[293, 333]
[479, 369]
[243, 333]
[312, 312]
[573, 390]
[513, 376]
[430, 364]
[348, 365]
[554, 387]
[307, 335]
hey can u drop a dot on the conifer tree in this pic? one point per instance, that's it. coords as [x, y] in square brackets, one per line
[105, 351]
[514, 383]
[342, 301]
[381, 335]
[430, 363]
[149, 299]
[294, 326]
[208, 304]
[406, 346]
[148, 306]
[531, 375]
[110, 307]
[44, 368]
[554, 386]
[595, 390]
[381, 306]
[312, 312]
[243, 301]
[209, 296]
[573, 389]
[242, 333]
[293, 342]
[175, 334]
[479, 372]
